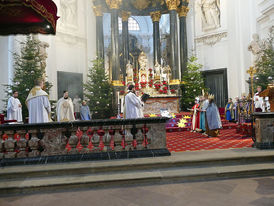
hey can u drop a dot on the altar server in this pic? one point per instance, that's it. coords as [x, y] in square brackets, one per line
[38, 104]
[65, 111]
[84, 111]
[14, 110]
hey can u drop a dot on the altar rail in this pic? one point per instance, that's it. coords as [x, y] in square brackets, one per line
[82, 140]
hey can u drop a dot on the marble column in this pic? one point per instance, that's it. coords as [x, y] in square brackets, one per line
[99, 31]
[125, 16]
[156, 16]
[183, 38]
[115, 63]
[172, 7]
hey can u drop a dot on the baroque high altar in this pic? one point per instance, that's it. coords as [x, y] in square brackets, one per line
[162, 82]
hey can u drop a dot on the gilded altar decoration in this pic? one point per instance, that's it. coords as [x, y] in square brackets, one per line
[155, 16]
[172, 4]
[141, 4]
[157, 71]
[183, 11]
[129, 71]
[114, 4]
[98, 10]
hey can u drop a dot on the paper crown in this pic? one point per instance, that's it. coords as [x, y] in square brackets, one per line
[210, 96]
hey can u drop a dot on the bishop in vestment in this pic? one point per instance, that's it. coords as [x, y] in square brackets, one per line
[14, 110]
[38, 104]
[65, 111]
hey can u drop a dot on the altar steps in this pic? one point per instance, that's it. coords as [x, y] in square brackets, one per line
[179, 167]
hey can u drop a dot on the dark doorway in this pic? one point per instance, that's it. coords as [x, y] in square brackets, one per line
[72, 82]
[216, 81]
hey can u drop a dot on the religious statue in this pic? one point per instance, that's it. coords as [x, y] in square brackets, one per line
[256, 47]
[129, 71]
[166, 73]
[210, 13]
[43, 53]
[143, 73]
[68, 11]
[157, 71]
[142, 59]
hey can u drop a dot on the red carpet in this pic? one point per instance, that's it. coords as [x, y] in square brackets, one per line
[188, 141]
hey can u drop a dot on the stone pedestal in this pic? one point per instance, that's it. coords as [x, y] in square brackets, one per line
[264, 130]
[154, 104]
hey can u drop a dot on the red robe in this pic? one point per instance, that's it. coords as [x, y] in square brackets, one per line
[195, 117]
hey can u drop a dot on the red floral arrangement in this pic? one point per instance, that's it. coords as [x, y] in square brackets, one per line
[143, 84]
[165, 91]
[150, 75]
[164, 83]
[122, 92]
[157, 86]
[165, 88]
[161, 91]
[150, 70]
[124, 83]
[173, 91]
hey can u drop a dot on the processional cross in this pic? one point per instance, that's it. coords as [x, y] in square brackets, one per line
[252, 71]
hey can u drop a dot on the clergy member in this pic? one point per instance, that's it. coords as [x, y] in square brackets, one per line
[133, 104]
[258, 101]
[14, 110]
[65, 110]
[38, 104]
[84, 111]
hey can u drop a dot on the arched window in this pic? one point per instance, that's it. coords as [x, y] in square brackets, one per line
[132, 24]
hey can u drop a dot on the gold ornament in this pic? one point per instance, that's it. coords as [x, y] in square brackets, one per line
[174, 82]
[114, 4]
[183, 11]
[117, 83]
[125, 15]
[98, 10]
[155, 16]
[172, 4]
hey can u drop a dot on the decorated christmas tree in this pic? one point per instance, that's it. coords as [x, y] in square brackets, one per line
[265, 65]
[193, 83]
[98, 91]
[29, 65]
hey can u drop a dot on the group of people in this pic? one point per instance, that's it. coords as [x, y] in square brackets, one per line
[240, 110]
[39, 107]
[206, 118]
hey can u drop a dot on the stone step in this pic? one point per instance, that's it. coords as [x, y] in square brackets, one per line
[167, 175]
[181, 159]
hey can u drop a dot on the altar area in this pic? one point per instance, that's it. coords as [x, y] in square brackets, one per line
[154, 82]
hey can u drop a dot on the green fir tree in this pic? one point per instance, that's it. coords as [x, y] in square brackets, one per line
[99, 91]
[265, 65]
[28, 66]
[193, 83]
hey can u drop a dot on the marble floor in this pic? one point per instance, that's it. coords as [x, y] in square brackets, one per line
[257, 191]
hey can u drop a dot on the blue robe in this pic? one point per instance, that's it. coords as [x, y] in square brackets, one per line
[85, 113]
[213, 117]
[228, 114]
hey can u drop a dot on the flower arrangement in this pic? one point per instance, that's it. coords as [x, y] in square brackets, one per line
[161, 91]
[157, 86]
[122, 92]
[150, 83]
[164, 83]
[143, 84]
[173, 91]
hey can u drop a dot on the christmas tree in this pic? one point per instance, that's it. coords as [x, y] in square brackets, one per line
[265, 65]
[99, 91]
[29, 65]
[193, 83]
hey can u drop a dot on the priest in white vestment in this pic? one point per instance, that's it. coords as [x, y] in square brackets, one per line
[14, 110]
[38, 104]
[133, 105]
[65, 111]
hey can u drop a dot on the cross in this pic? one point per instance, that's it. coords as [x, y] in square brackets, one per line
[251, 71]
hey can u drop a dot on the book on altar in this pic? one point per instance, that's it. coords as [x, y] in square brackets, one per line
[145, 97]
